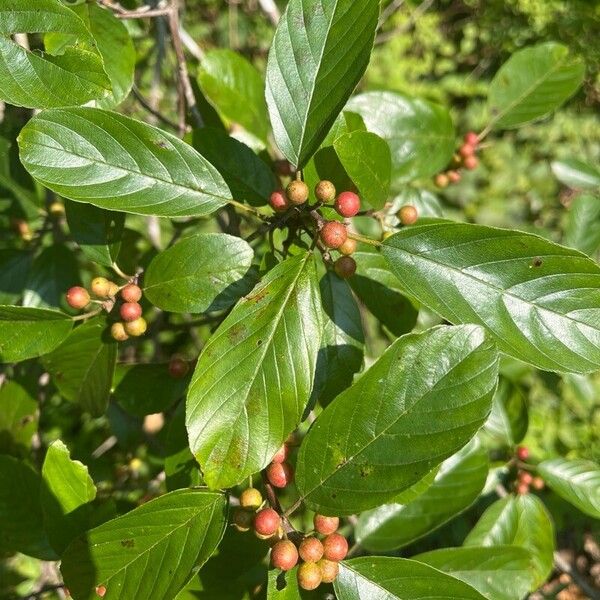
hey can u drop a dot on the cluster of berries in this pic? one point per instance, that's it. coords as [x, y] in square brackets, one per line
[466, 157]
[132, 324]
[333, 234]
[525, 479]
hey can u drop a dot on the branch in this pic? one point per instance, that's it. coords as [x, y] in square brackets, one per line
[145, 104]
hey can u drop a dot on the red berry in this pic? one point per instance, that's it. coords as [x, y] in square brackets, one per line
[408, 215]
[525, 478]
[325, 191]
[335, 547]
[297, 192]
[471, 163]
[118, 332]
[522, 489]
[309, 576]
[130, 311]
[348, 247]
[137, 327]
[347, 204]
[466, 150]
[267, 522]
[311, 549]
[78, 297]
[101, 591]
[282, 454]
[441, 180]
[453, 176]
[178, 367]
[101, 287]
[472, 139]
[326, 525]
[251, 498]
[333, 234]
[242, 519]
[278, 201]
[522, 452]
[538, 483]
[131, 293]
[345, 267]
[280, 474]
[284, 555]
[283, 167]
[329, 570]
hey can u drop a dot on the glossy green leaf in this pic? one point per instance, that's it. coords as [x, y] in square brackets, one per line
[533, 82]
[539, 301]
[577, 481]
[255, 375]
[201, 273]
[499, 573]
[417, 489]
[14, 268]
[235, 88]
[52, 273]
[508, 421]
[420, 134]
[367, 159]
[149, 552]
[18, 419]
[426, 203]
[249, 178]
[395, 423]
[346, 122]
[30, 332]
[66, 491]
[40, 80]
[145, 389]
[577, 174]
[583, 224]
[518, 521]
[21, 520]
[97, 231]
[397, 579]
[342, 343]
[456, 486]
[380, 291]
[319, 53]
[181, 468]
[82, 366]
[115, 162]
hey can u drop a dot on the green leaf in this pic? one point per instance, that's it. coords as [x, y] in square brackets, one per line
[40, 80]
[14, 268]
[368, 161]
[342, 343]
[426, 203]
[576, 174]
[255, 375]
[18, 419]
[518, 521]
[21, 521]
[30, 332]
[201, 273]
[417, 489]
[539, 301]
[456, 486]
[420, 134]
[577, 481]
[499, 573]
[381, 292]
[181, 468]
[66, 491]
[52, 273]
[583, 224]
[146, 389]
[508, 421]
[97, 231]
[249, 178]
[115, 162]
[149, 552]
[395, 423]
[533, 82]
[397, 579]
[319, 53]
[235, 88]
[82, 366]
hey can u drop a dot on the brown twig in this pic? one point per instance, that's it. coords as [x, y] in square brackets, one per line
[145, 104]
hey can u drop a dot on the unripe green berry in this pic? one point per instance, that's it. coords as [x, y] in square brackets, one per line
[309, 576]
[408, 215]
[325, 191]
[118, 332]
[329, 570]
[267, 522]
[297, 192]
[77, 297]
[251, 498]
[333, 234]
[326, 525]
[345, 267]
[310, 549]
[131, 293]
[242, 519]
[280, 474]
[348, 247]
[335, 547]
[284, 555]
[347, 204]
[101, 287]
[136, 328]
[130, 311]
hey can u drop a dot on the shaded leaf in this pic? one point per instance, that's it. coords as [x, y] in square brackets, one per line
[14, 268]
[18, 419]
[181, 468]
[508, 421]
[576, 174]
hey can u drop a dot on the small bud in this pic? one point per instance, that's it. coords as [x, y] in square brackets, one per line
[251, 498]
[345, 267]
[131, 293]
[118, 332]
[408, 215]
[137, 327]
[325, 191]
[309, 576]
[77, 297]
[297, 192]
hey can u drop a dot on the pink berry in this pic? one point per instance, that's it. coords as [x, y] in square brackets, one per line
[347, 204]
